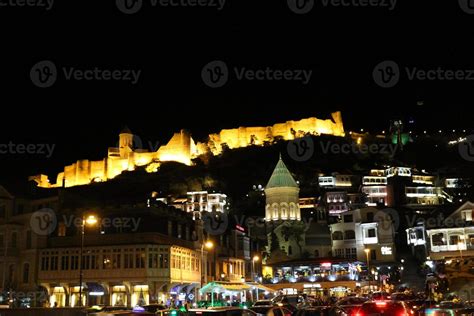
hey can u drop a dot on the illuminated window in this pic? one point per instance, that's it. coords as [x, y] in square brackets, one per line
[371, 233]
[349, 235]
[337, 235]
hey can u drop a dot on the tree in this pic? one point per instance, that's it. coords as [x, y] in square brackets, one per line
[274, 243]
[294, 231]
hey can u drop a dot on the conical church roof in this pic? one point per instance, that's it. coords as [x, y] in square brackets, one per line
[281, 177]
[126, 130]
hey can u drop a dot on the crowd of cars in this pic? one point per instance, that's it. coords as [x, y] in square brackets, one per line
[376, 304]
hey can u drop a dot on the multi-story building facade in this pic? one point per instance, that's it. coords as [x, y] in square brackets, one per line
[19, 242]
[203, 201]
[134, 254]
[364, 229]
[442, 238]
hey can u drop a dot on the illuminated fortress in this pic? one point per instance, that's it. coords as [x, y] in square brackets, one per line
[182, 148]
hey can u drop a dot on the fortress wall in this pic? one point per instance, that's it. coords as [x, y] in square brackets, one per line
[97, 170]
[141, 159]
[182, 148]
[116, 167]
[177, 149]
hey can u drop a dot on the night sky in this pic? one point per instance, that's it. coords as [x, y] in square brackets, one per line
[171, 45]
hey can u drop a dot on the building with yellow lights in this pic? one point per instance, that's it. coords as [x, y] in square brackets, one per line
[130, 154]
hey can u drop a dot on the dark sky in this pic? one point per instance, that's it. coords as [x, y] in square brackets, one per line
[171, 45]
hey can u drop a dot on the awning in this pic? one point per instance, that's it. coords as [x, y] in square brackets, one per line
[216, 287]
[260, 287]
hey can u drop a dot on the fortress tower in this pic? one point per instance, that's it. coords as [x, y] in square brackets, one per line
[282, 195]
[125, 142]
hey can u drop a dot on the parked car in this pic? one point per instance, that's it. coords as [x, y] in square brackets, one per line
[296, 300]
[271, 311]
[384, 308]
[220, 311]
[321, 311]
[380, 296]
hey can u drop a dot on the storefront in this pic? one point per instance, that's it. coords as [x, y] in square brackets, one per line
[314, 290]
[96, 294]
[74, 299]
[119, 295]
[58, 297]
[140, 295]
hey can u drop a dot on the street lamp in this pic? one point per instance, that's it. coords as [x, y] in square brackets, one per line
[254, 259]
[367, 251]
[90, 220]
[208, 245]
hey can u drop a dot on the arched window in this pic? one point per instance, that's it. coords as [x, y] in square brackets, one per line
[290, 250]
[349, 234]
[316, 253]
[26, 272]
[337, 235]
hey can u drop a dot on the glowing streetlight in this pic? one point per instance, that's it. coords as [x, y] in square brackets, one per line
[254, 259]
[90, 220]
[208, 245]
[367, 251]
